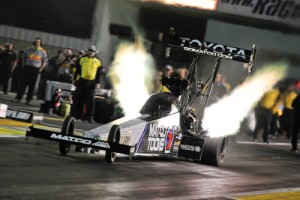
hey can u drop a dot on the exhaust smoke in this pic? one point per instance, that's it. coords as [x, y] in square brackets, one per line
[131, 73]
[224, 117]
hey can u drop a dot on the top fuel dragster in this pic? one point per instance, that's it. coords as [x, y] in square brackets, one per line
[169, 124]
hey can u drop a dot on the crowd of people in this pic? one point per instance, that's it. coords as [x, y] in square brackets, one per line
[221, 86]
[34, 60]
[82, 70]
[278, 113]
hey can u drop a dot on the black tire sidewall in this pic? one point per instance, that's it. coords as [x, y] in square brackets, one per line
[214, 151]
[113, 137]
[67, 129]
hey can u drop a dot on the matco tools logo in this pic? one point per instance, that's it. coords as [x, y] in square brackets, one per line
[67, 138]
[70, 139]
[160, 139]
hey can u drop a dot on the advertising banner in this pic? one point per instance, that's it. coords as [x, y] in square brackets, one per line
[282, 11]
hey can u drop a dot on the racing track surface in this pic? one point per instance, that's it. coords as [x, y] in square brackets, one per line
[35, 170]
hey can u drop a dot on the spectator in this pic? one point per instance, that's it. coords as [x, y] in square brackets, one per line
[35, 59]
[296, 123]
[276, 113]
[53, 66]
[17, 73]
[225, 83]
[79, 54]
[182, 72]
[73, 66]
[88, 71]
[167, 72]
[287, 116]
[64, 70]
[263, 113]
[218, 90]
[8, 62]
[156, 81]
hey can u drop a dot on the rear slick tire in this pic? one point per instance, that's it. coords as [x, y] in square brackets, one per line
[214, 151]
[67, 129]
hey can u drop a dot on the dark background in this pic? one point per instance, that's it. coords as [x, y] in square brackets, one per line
[156, 19]
[67, 17]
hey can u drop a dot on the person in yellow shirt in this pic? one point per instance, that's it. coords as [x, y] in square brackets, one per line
[225, 83]
[88, 71]
[276, 114]
[288, 97]
[167, 72]
[263, 113]
[296, 123]
[218, 90]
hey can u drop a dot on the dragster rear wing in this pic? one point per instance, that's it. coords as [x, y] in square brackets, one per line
[197, 46]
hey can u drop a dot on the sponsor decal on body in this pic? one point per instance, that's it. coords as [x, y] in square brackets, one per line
[101, 144]
[125, 140]
[160, 139]
[126, 135]
[79, 140]
[187, 147]
[70, 138]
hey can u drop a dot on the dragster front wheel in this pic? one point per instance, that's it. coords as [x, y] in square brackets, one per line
[113, 137]
[67, 129]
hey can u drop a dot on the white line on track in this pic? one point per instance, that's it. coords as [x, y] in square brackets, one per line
[270, 143]
[12, 136]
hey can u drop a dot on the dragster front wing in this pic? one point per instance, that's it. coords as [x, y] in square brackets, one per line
[77, 140]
